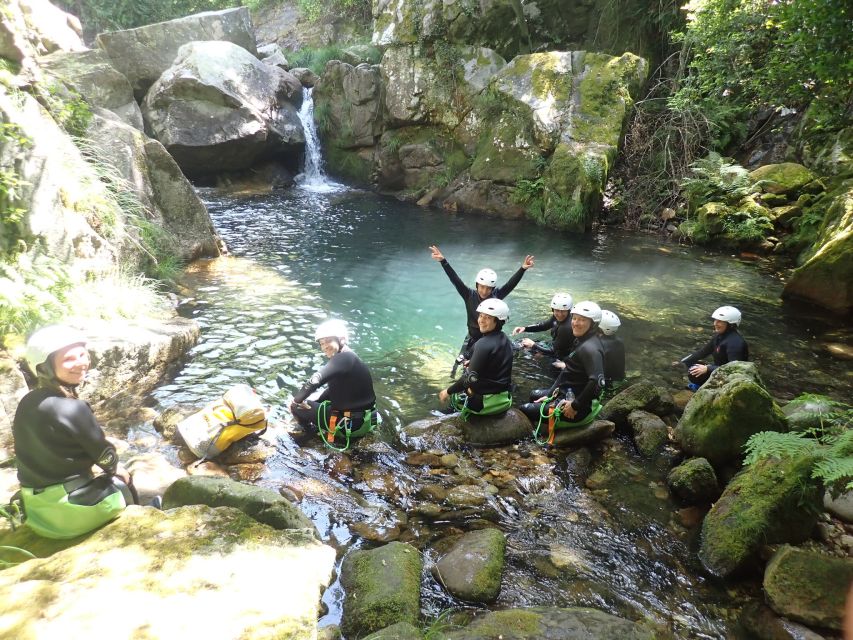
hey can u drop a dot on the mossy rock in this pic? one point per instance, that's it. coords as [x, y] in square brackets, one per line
[643, 395]
[356, 166]
[811, 411]
[507, 152]
[730, 407]
[382, 588]
[809, 587]
[694, 482]
[770, 502]
[711, 217]
[786, 178]
[551, 623]
[650, 432]
[264, 505]
[579, 436]
[399, 631]
[472, 569]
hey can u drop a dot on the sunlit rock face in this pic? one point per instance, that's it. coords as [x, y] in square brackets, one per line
[31, 28]
[219, 108]
[171, 575]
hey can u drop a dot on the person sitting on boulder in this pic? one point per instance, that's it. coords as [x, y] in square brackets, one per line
[727, 345]
[485, 385]
[348, 400]
[560, 327]
[581, 380]
[485, 288]
[58, 440]
[614, 348]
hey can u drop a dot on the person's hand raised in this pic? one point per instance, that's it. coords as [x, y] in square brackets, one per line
[528, 262]
[436, 253]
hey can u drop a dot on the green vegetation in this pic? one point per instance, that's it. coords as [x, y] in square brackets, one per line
[109, 15]
[11, 209]
[351, 9]
[715, 178]
[315, 59]
[33, 289]
[68, 108]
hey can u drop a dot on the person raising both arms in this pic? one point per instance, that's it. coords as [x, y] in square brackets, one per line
[726, 346]
[485, 288]
[560, 327]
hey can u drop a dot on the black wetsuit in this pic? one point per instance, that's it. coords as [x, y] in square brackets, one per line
[472, 301]
[350, 388]
[725, 347]
[614, 357]
[489, 370]
[57, 440]
[583, 375]
[562, 338]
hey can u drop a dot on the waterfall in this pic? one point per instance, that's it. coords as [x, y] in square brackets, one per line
[312, 177]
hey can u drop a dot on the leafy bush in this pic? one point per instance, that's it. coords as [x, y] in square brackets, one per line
[715, 178]
[34, 288]
[12, 140]
[315, 59]
[745, 228]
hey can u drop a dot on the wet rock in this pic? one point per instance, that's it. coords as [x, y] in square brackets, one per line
[472, 569]
[496, 430]
[810, 411]
[694, 482]
[730, 407]
[248, 473]
[166, 423]
[382, 588]
[466, 495]
[433, 492]
[680, 400]
[808, 587]
[650, 432]
[185, 564]
[436, 433]
[305, 76]
[551, 623]
[770, 502]
[428, 509]
[569, 560]
[424, 460]
[152, 474]
[351, 98]
[330, 632]
[376, 532]
[643, 395]
[583, 436]
[264, 505]
[251, 450]
[399, 631]
[690, 517]
[841, 507]
[207, 469]
[764, 624]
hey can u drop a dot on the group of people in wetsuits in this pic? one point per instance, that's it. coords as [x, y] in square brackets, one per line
[58, 440]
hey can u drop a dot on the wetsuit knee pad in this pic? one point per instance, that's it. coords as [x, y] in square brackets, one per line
[531, 410]
[538, 393]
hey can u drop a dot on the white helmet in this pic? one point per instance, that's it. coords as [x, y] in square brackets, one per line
[562, 302]
[487, 277]
[494, 307]
[727, 314]
[609, 322]
[49, 340]
[332, 329]
[587, 309]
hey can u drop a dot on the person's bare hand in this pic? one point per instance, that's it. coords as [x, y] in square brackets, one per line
[517, 330]
[559, 364]
[527, 343]
[528, 262]
[443, 396]
[436, 253]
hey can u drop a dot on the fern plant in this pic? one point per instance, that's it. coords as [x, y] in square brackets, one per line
[715, 178]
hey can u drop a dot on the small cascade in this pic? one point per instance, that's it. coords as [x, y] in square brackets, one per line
[312, 177]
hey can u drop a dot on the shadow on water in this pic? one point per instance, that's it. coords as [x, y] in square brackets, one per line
[585, 528]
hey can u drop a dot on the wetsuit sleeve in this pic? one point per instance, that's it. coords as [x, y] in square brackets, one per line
[544, 348]
[563, 341]
[696, 356]
[478, 363]
[540, 326]
[78, 418]
[455, 279]
[504, 290]
[331, 369]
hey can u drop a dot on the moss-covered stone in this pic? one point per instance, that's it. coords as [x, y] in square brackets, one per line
[786, 178]
[264, 505]
[694, 481]
[731, 406]
[769, 502]
[382, 588]
[808, 586]
[356, 166]
[399, 631]
[650, 432]
[507, 152]
[643, 395]
[711, 217]
[472, 569]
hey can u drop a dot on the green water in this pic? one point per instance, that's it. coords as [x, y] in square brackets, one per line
[300, 257]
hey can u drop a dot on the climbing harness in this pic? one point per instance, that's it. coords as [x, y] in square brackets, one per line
[493, 404]
[333, 424]
[553, 415]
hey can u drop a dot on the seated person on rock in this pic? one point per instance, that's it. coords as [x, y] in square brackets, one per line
[583, 377]
[560, 327]
[58, 441]
[349, 386]
[485, 385]
[484, 290]
[726, 345]
[614, 348]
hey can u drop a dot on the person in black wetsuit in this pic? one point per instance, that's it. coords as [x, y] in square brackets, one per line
[349, 386]
[485, 289]
[560, 327]
[489, 372]
[614, 348]
[58, 440]
[583, 377]
[727, 345]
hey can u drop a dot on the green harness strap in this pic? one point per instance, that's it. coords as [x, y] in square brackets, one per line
[328, 433]
[555, 422]
[493, 403]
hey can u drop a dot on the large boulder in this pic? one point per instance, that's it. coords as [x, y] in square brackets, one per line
[785, 178]
[348, 104]
[92, 75]
[163, 574]
[218, 108]
[808, 586]
[730, 407]
[644, 396]
[650, 432]
[144, 53]
[506, 428]
[471, 570]
[382, 588]
[264, 505]
[32, 28]
[770, 502]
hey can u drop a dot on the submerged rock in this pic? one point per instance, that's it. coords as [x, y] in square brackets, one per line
[764, 624]
[471, 570]
[382, 588]
[643, 395]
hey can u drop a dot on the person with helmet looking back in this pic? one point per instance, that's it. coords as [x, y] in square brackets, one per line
[560, 327]
[726, 345]
[58, 440]
[485, 288]
[487, 378]
[581, 380]
[614, 348]
[349, 385]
